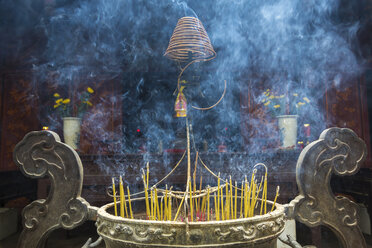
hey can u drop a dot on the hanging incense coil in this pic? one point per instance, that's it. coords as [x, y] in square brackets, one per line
[190, 41]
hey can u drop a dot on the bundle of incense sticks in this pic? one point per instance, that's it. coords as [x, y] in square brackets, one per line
[227, 202]
[124, 212]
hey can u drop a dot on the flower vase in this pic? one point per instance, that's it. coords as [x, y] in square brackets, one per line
[71, 131]
[288, 130]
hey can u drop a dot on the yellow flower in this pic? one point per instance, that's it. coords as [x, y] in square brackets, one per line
[66, 101]
[90, 90]
[300, 103]
[295, 94]
[281, 96]
[267, 103]
[306, 99]
[268, 90]
[59, 101]
[89, 103]
[56, 105]
[56, 95]
[266, 93]
[272, 97]
[277, 106]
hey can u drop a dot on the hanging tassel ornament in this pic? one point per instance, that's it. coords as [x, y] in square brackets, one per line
[180, 106]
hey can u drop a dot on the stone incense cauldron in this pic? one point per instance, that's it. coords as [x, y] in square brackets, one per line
[338, 151]
[259, 231]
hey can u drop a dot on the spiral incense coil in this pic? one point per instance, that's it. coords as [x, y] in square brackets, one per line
[190, 41]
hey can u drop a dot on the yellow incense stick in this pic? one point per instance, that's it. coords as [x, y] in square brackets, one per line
[157, 204]
[236, 200]
[218, 196]
[222, 211]
[249, 193]
[215, 207]
[251, 206]
[263, 195]
[121, 197]
[130, 203]
[179, 208]
[146, 197]
[265, 189]
[152, 204]
[148, 174]
[191, 201]
[227, 204]
[208, 204]
[161, 208]
[170, 207]
[200, 190]
[194, 181]
[231, 195]
[166, 203]
[125, 204]
[202, 209]
[114, 194]
[246, 201]
[276, 196]
[241, 200]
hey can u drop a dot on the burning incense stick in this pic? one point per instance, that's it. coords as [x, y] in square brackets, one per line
[236, 200]
[265, 186]
[179, 208]
[242, 195]
[191, 203]
[157, 204]
[227, 204]
[166, 203]
[246, 196]
[130, 203]
[222, 209]
[263, 195]
[161, 208]
[208, 204]
[251, 206]
[114, 194]
[148, 174]
[215, 206]
[218, 196]
[125, 204]
[121, 197]
[170, 207]
[200, 190]
[152, 205]
[231, 196]
[146, 196]
[194, 178]
[276, 196]
[202, 209]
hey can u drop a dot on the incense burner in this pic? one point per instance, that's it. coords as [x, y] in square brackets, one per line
[258, 231]
[337, 151]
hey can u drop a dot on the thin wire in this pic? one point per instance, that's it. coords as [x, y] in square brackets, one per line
[214, 105]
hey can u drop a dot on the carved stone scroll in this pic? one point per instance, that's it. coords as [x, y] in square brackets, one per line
[337, 151]
[39, 154]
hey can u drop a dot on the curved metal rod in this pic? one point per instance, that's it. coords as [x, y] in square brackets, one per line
[214, 105]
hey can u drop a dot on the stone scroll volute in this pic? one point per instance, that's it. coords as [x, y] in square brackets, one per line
[338, 151]
[40, 154]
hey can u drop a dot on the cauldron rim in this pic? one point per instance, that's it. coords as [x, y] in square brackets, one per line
[102, 213]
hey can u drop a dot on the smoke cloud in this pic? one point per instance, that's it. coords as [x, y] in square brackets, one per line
[285, 45]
